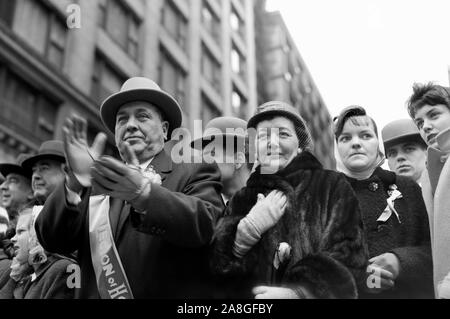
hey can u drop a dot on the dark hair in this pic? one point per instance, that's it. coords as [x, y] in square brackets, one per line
[350, 113]
[427, 94]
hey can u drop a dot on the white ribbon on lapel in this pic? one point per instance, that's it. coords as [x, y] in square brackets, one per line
[390, 207]
[111, 279]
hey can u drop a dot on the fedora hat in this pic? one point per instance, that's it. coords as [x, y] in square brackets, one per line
[225, 127]
[401, 131]
[141, 89]
[277, 108]
[16, 168]
[48, 150]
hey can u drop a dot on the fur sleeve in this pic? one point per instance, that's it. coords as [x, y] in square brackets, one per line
[338, 268]
[222, 261]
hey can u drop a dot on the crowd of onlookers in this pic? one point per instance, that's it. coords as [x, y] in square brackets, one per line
[257, 217]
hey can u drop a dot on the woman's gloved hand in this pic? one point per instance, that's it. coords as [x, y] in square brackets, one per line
[264, 215]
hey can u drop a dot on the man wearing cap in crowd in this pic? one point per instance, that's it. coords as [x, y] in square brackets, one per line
[405, 149]
[225, 142]
[48, 169]
[143, 228]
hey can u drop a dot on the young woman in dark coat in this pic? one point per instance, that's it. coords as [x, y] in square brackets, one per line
[394, 213]
[295, 230]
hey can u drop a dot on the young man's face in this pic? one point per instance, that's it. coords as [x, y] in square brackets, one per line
[431, 120]
[407, 159]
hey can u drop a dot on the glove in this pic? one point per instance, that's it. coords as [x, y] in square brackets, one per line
[124, 181]
[80, 156]
[264, 215]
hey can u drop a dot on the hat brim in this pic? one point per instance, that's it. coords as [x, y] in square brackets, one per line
[201, 143]
[166, 104]
[6, 169]
[413, 138]
[29, 162]
[253, 122]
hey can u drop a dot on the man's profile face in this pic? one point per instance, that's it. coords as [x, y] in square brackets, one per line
[16, 191]
[141, 126]
[225, 159]
[47, 175]
[407, 159]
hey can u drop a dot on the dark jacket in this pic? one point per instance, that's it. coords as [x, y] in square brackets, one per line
[50, 282]
[322, 223]
[408, 240]
[164, 251]
[5, 270]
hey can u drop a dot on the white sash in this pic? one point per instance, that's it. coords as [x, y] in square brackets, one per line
[111, 279]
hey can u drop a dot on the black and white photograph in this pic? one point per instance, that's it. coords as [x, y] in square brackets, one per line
[224, 154]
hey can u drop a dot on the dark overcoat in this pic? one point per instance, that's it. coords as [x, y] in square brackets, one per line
[164, 251]
[407, 237]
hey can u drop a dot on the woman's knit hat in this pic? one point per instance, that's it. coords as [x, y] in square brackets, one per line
[277, 108]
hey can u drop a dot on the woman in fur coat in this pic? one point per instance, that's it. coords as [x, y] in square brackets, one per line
[295, 230]
[393, 211]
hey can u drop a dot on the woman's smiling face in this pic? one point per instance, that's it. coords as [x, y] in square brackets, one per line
[277, 143]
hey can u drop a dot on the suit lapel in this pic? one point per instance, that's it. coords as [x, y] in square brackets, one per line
[162, 163]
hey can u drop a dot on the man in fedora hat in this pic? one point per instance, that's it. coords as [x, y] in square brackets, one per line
[225, 142]
[143, 228]
[405, 149]
[48, 169]
[16, 189]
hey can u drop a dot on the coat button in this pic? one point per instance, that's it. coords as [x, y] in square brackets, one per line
[373, 186]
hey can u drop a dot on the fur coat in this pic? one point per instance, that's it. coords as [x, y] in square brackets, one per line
[322, 224]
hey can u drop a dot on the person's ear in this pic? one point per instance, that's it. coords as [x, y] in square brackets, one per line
[165, 128]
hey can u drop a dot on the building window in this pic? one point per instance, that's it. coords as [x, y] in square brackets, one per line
[238, 104]
[211, 22]
[25, 109]
[209, 111]
[7, 9]
[237, 23]
[175, 23]
[172, 78]
[237, 62]
[105, 80]
[121, 24]
[43, 29]
[211, 69]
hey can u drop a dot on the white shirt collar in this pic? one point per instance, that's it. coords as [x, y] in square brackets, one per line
[145, 164]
